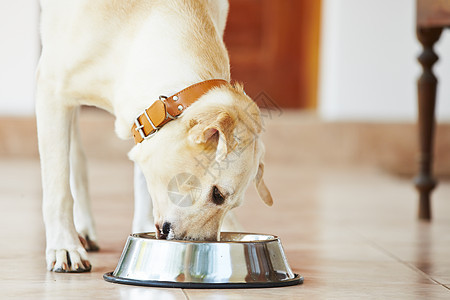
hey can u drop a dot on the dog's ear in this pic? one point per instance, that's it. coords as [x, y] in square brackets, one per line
[214, 130]
[261, 187]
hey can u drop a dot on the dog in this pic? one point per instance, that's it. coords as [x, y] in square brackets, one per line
[126, 57]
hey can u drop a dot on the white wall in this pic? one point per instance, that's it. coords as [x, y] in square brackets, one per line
[369, 62]
[19, 51]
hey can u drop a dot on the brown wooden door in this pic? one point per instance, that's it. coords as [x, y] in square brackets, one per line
[273, 46]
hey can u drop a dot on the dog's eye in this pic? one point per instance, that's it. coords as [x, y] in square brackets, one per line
[217, 197]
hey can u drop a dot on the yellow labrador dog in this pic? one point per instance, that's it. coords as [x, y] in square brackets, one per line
[161, 68]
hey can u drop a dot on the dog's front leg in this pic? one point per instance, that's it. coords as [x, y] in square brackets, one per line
[64, 252]
[143, 206]
[230, 223]
[84, 221]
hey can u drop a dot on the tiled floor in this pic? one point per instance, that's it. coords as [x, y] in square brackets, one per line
[350, 231]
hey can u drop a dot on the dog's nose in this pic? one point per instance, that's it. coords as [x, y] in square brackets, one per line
[166, 228]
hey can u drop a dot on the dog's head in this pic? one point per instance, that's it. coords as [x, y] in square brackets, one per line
[198, 167]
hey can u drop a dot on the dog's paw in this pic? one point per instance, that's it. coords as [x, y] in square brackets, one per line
[86, 231]
[88, 244]
[68, 261]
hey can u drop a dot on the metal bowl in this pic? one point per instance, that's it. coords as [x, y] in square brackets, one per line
[238, 260]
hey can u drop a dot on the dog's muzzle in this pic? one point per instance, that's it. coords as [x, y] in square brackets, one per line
[163, 233]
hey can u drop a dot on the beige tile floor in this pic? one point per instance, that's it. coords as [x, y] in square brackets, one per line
[350, 231]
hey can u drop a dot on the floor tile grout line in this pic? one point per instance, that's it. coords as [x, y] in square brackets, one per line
[407, 264]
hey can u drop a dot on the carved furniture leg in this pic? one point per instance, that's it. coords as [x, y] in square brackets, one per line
[427, 83]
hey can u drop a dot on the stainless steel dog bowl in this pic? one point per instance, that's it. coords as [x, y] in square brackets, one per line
[238, 260]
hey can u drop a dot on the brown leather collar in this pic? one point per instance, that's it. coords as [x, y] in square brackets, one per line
[169, 108]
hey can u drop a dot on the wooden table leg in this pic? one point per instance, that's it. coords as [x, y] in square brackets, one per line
[427, 83]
